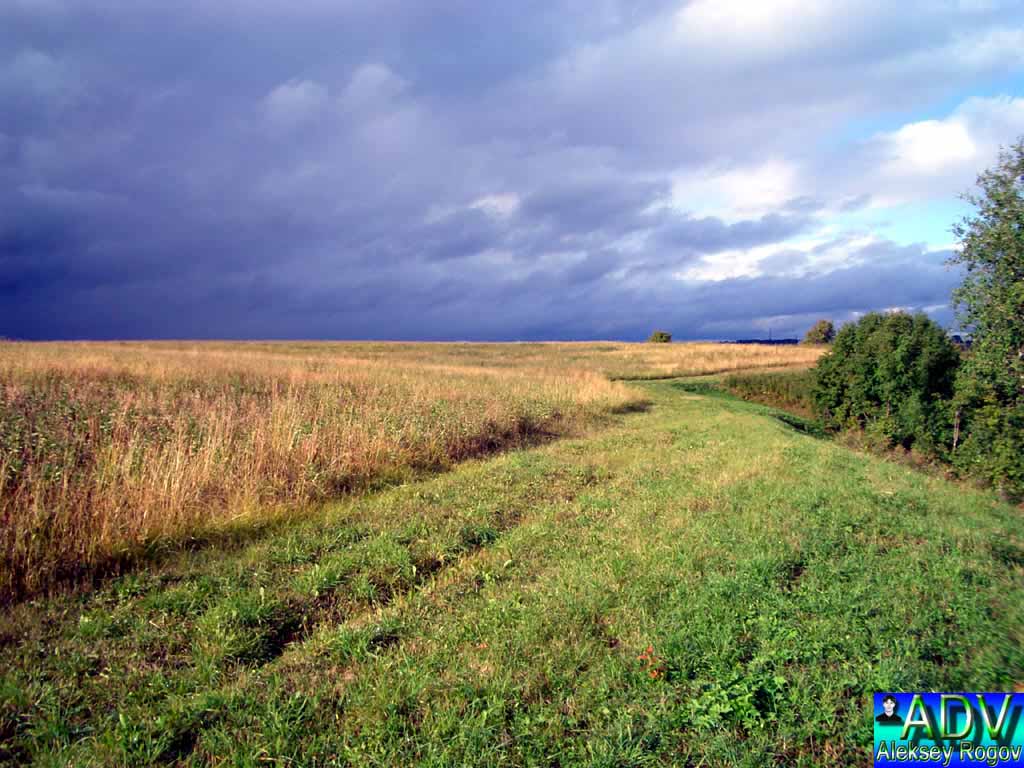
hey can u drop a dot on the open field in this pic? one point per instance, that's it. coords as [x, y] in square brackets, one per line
[616, 360]
[108, 449]
[605, 573]
[694, 584]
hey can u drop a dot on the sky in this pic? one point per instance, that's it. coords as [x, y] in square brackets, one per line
[466, 170]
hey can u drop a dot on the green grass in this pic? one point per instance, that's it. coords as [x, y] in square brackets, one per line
[790, 390]
[698, 584]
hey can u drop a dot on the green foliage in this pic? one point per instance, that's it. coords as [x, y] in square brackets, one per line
[789, 390]
[573, 605]
[990, 386]
[660, 337]
[822, 332]
[892, 376]
[993, 448]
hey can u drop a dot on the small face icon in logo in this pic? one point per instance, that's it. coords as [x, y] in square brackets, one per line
[889, 716]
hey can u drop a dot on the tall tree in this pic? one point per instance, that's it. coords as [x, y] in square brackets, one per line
[990, 302]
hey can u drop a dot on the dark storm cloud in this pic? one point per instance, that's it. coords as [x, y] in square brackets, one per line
[711, 235]
[457, 235]
[615, 206]
[593, 267]
[457, 170]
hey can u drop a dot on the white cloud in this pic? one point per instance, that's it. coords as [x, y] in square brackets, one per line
[372, 88]
[755, 28]
[935, 159]
[996, 49]
[294, 103]
[929, 147]
[735, 193]
[728, 265]
[816, 254]
[499, 206]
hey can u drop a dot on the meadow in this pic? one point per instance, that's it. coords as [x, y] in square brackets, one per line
[663, 577]
[112, 449]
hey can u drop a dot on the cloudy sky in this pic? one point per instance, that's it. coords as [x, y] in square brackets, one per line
[458, 169]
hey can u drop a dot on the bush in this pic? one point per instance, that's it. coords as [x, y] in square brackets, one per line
[892, 376]
[993, 450]
[660, 337]
[788, 390]
[822, 332]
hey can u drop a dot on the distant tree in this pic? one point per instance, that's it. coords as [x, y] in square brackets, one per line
[892, 376]
[989, 406]
[822, 332]
[660, 337]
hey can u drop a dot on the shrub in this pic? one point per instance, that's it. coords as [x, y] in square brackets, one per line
[993, 449]
[660, 337]
[892, 376]
[788, 390]
[822, 332]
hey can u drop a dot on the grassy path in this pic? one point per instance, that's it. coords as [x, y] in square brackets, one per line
[699, 584]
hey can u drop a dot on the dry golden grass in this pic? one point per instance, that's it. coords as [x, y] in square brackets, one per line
[615, 360]
[699, 359]
[105, 448]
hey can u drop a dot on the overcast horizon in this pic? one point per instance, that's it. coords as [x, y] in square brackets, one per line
[567, 169]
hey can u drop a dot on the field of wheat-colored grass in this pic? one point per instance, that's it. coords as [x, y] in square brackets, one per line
[616, 360]
[106, 448]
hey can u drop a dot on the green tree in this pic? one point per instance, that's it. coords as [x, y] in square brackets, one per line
[660, 337]
[989, 406]
[822, 332]
[892, 376]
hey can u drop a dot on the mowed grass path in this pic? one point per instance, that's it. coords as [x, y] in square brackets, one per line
[698, 584]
